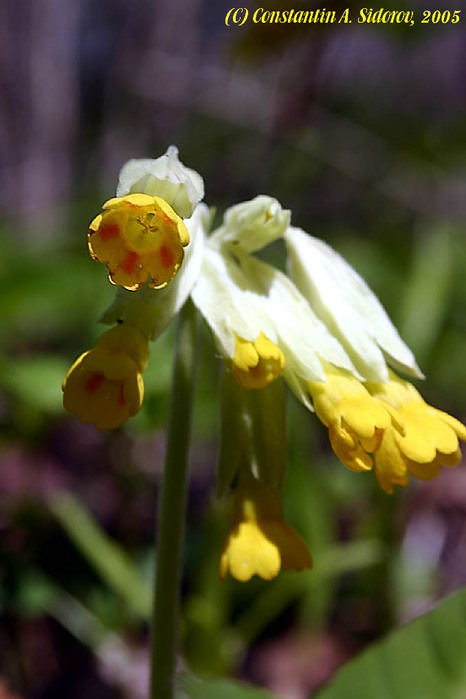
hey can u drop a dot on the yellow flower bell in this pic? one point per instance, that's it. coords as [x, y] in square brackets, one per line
[260, 542]
[104, 386]
[356, 421]
[425, 440]
[256, 364]
[140, 238]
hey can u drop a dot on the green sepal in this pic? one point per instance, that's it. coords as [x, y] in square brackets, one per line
[252, 433]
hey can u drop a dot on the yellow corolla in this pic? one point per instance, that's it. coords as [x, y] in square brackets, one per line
[256, 364]
[140, 238]
[260, 542]
[104, 386]
[356, 421]
[425, 440]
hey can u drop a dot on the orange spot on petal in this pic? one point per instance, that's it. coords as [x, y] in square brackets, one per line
[109, 230]
[121, 395]
[166, 256]
[93, 383]
[130, 262]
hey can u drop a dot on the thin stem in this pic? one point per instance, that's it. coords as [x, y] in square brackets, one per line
[172, 509]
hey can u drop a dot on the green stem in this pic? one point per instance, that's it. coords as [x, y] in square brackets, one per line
[172, 509]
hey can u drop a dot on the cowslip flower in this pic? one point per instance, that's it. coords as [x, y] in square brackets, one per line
[424, 439]
[259, 541]
[337, 342]
[252, 462]
[375, 419]
[139, 238]
[319, 328]
[140, 234]
[104, 385]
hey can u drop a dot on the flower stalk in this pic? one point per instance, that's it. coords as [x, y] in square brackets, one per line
[171, 512]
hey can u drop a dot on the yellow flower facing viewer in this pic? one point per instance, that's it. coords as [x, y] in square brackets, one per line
[426, 439]
[104, 386]
[256, 364]
[260, 542]
[140, 238]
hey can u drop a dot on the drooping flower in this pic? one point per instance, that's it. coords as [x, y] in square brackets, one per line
[375, 413]
[140, 239]
[244, 334]
[104, 386]
[356, 421]
[260, 321]
[259, 541]
[423, 440]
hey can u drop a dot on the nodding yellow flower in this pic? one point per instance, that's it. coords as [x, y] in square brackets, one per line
[104, 386]
[256, 364]
[140, 238]
[260, 542]
[356, 421]
[425, 440]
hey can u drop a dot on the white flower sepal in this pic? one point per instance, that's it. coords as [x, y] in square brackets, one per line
[151, 310]
[348, 307]
[224, 297]
[244, 298]
[252, 225]
[165, 177]
[302, 336]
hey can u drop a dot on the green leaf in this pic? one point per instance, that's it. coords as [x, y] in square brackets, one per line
[106, 556]
[423, 659]
[36, 381]
[195, 688]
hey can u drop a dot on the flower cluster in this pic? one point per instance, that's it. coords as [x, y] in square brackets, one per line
[318, 328]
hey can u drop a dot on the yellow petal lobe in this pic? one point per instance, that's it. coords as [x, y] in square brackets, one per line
[140, 239]
[256, 364]
[260, 542]
[429, 439]
[104, 386]
[355, 420]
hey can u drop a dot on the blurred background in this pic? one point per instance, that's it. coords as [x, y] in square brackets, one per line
[361, 131]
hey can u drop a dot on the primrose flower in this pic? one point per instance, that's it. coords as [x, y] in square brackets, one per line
[356, 421]
[104, 386]
[259, 541]
[143, 239]
[140, 238]
[423, 439]
[374, 418]
[260, 321]
[140, 234]
[244, 334]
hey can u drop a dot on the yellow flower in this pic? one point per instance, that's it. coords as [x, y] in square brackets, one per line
[259, 541]
[356, 421]
[104, 386]
[256, 364]
[139, 237]
[426, 439]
